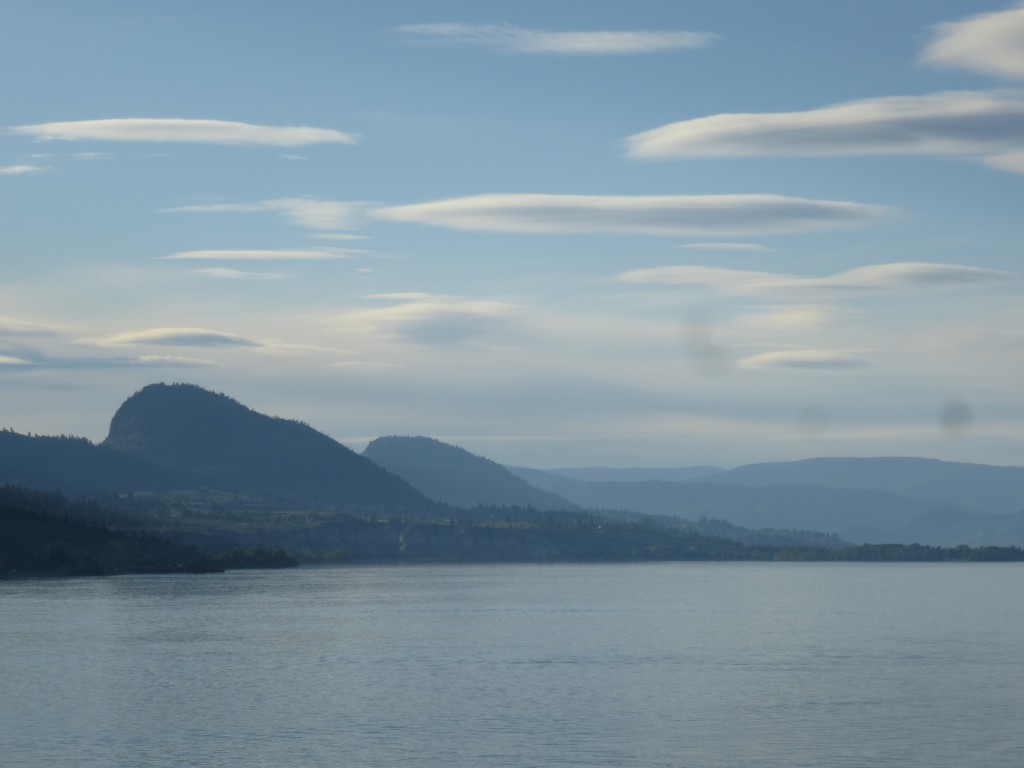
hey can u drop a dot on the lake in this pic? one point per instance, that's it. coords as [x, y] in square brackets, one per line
[654, 665]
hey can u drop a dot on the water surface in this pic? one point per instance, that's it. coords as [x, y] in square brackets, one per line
[682, 664]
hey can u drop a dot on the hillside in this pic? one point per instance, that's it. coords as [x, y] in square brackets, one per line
[452, 475]
[74, 465]
[847, 497]
[980, 487]
[637, 474]
[45, 533]
[855, 516]
[227, 446]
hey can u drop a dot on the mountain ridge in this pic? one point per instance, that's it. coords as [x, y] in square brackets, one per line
[453, 475]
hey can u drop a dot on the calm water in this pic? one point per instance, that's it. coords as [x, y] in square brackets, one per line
[606, 665]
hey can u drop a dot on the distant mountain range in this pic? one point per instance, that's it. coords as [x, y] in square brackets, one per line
[181, 437]
[902, 500]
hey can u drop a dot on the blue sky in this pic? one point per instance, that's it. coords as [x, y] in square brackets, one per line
[557, 234]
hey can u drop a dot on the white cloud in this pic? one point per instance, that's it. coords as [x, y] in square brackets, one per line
[582, 43]
[990, 43]
[428, 319]
[1011, 161]
[10, 326]
[7, 360]
[299, 211]
[255, 255]
[879, 277]
[185, 131]
[966, 124]
[180, 337]
[805, 359]
[640, 214]
[175, 362]
[237, 274]
[21, 170]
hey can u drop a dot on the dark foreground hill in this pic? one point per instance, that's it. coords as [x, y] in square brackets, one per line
[224, 445]
[455, 476]
[46, 534]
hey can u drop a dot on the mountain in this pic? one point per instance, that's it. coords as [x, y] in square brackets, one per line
[636, 474]
[980, 487]
[75, 465]
[855, 516]
[222, 444]
[455, 476]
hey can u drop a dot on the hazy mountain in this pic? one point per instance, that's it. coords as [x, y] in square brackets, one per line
[855, 516]
[455, 476]
[230, 447]
[636, 474]
[74, 465]
[947, 527]
[980, 487]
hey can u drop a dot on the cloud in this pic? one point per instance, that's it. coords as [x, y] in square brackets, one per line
[255, 255]
[237, 274]
[594, 43]
[989, 43]
[180, 337]
[301, 212]
[804, 359]
[174, 361]
[1011, 161]
[965, 124]
[640, 214]
[429, 319]
[879, 277]
[10, 326]
[7, 360]
[21, 170]
[185, 131]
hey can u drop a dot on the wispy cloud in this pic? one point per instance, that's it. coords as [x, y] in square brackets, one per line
[805, 359]
[180, 337]
[641, 214]
[430, 319]
[990, 43]
[880, 277]
[183, 131]
[8, 360]
[174, 361]
[21, 170]
[11, 326]
[512, 39]
[300, 211]
[963, 123]
[255, 255]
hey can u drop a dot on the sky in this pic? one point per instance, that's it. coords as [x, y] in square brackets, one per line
[561, 233]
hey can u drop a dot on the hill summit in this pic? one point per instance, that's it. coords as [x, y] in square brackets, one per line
[233, 448]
